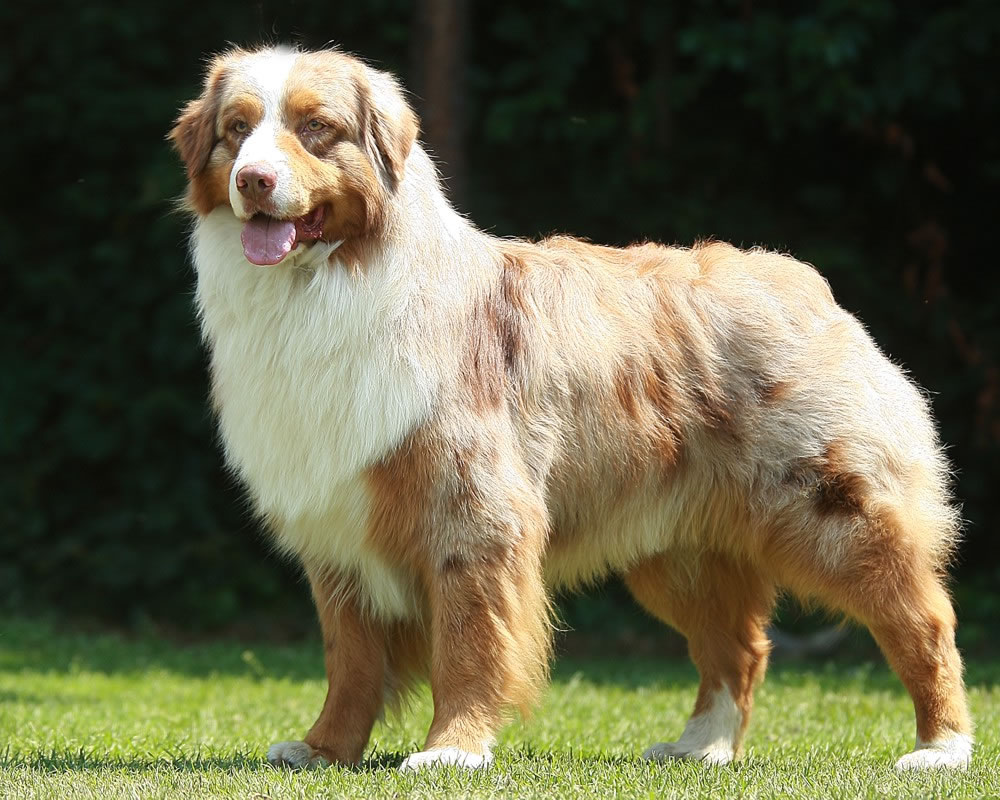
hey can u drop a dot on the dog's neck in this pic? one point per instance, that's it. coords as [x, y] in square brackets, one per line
[423, 229]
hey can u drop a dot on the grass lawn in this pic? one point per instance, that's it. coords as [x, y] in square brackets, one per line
[105, 717]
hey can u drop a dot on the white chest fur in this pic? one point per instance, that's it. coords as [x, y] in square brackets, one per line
[313, 382]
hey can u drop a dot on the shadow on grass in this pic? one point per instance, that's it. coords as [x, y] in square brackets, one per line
[95, 762]
[84, 761]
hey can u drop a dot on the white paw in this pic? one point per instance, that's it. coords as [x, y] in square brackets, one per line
[446, 756]
[951, 752]
[297, 755]
[716, 754]
[711, 736]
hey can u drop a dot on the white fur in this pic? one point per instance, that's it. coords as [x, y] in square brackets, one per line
[297, 755]
[444, 757]
[267, 74]
[261, 148]
[320, 370]
[710, 737]
[267, 71]
[948, 752]
[336, 538]
[312, 383]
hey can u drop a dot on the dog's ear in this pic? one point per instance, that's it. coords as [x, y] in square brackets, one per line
[193, 135]
[391, 125]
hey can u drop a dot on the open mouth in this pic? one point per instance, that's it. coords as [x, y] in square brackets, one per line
[266, 240]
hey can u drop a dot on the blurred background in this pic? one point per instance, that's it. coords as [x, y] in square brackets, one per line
[859, 136]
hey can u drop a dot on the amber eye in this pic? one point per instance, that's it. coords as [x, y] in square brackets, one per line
[315, 125]
[240, 126]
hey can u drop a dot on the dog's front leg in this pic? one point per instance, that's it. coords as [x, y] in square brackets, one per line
[490, 638]
[355, 654]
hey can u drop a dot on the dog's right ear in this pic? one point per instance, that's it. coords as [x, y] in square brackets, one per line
[193, 135]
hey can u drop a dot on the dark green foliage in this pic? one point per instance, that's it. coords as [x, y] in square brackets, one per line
[861, 136]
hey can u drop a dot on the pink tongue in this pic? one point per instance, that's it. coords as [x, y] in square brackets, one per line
[266, 241]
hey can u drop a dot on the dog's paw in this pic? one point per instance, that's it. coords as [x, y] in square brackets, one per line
[295, 755]
[716, 754]
[446, 756]
[952, 752]
[711, 736]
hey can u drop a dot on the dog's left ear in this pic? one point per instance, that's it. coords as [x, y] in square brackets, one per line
[392, 127]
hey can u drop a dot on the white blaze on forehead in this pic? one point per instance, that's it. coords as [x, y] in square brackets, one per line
[265, 75]
[267, 72]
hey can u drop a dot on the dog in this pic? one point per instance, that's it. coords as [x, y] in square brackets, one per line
[442, 425]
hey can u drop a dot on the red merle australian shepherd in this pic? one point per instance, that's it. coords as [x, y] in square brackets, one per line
[442, 426]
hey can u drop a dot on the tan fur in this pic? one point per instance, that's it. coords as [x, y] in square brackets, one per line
[199, 139]
[486, 607]
[723, 608]
[355, 655]
[891, 582]
[705, 421]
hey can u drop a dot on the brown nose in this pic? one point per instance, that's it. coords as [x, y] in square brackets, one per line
[256, 181]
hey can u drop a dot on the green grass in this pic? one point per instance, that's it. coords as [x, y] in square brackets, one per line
[106, 717]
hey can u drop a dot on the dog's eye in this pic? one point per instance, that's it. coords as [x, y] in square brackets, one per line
[240, 126]
[315, 125]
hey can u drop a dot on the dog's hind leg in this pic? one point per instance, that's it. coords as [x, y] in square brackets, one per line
[723, 608]
[888, 576]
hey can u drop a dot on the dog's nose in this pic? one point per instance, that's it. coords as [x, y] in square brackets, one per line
[256, 181]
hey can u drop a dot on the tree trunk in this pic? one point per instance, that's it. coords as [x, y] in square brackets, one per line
[439, 67]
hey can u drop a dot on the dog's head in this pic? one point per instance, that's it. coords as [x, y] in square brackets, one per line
[302, 147]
